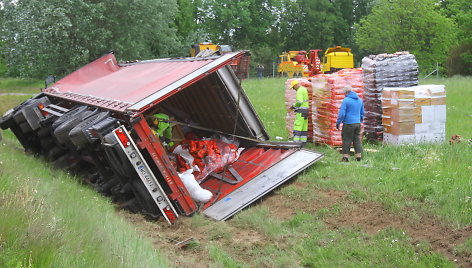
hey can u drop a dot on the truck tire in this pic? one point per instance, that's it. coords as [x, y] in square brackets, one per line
[78, 136]
[62, 131]
[75, 111]
[116, 158]
[144, 198]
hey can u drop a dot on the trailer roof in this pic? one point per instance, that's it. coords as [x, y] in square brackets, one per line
[134, 86]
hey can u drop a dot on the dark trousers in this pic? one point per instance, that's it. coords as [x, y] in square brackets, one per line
[351, 133]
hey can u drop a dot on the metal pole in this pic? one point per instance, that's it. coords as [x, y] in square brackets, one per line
[273, 69]
[437, 70]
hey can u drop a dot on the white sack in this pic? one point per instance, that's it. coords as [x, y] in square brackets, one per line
[196, 192]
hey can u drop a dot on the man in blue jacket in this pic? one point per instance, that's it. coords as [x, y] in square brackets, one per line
[351, 114]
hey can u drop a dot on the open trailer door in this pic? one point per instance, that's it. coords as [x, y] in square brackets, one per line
[258, 171]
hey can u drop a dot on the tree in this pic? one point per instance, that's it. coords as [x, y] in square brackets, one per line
[310, 24]
[412, 25]
[240, 24]
[57, 36]
[460, 57]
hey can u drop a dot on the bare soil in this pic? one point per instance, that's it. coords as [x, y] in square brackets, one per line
[369, 217]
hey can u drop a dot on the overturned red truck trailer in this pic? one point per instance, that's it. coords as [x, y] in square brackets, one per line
[93, 121]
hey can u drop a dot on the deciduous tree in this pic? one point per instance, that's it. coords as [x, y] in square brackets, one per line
[57, 36]
[412, 25]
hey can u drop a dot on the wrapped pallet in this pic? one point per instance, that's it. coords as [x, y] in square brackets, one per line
[327, 98]
[414, 114]
[384, 70]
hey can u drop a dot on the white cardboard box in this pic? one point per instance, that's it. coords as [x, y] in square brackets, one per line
[439, 113]
[430, 138]
[423, 128]
[427, 114]
[399, 139]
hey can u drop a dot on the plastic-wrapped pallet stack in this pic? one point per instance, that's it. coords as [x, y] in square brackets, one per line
[385, 70]
[290, 99]
[414, 114]
[327, 98]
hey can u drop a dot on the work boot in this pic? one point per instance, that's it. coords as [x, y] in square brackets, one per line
[345, 159]
[358, 158]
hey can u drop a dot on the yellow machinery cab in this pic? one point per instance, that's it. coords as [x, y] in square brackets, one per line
[337, 58]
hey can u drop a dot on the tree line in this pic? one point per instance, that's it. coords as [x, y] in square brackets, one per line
[41, 37]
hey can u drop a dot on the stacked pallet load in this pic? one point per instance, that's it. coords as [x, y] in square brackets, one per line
[290, 99]
[384, 70]
[327, 98]
[414, 114]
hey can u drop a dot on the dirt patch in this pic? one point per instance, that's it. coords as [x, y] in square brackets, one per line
[373, 217]
[195, 254]
[165, 238]
[284, 207]
[369, 217]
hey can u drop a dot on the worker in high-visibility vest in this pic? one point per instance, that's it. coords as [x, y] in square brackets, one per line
[300, 126]
[163, 128]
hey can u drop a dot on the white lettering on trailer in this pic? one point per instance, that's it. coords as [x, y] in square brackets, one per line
[146, 175]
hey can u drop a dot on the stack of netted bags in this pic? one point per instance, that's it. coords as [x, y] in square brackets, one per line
[414, 114]
[385, 70]
[327, 98]
[291, 98]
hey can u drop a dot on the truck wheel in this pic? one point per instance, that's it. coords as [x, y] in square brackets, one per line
[68, 115]
[144, 198]
[62, 131]
[116, 158]
[78, 136]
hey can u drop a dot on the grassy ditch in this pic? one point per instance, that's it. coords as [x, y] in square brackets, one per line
[50, 220]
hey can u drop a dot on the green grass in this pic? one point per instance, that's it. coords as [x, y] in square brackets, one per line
[10, 101]
[14, 85]
[50, 220]
[431, 179]
[267, 97]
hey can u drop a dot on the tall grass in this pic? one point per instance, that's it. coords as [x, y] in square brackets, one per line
[50, 220]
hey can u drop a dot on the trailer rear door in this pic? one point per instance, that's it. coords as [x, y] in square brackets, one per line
[260, 170]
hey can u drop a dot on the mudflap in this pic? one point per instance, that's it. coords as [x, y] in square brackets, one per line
[262, 184]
